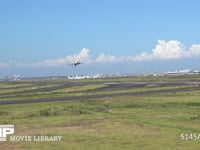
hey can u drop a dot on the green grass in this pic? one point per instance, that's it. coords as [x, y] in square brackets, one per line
[146, 122]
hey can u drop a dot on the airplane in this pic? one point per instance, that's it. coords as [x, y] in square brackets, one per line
[76, 63]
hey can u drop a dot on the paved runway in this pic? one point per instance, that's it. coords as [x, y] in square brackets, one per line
[110, 86]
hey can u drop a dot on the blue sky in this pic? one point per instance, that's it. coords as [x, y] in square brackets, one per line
[34, 34]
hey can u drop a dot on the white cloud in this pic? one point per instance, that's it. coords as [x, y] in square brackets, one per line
[194, 50]
[82, 56]
[51, 62]
[108, 58]
[172, 49]
[143, 56]
[168, 50]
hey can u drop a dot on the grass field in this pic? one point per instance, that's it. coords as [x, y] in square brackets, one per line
[140, 122]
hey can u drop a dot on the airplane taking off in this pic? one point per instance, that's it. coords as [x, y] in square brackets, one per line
[76, 63]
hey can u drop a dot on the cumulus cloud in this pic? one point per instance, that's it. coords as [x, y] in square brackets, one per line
[82, 56]
[172, 49]
[143, 56]
[194, 50]
[168, 50]
[108, 58]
